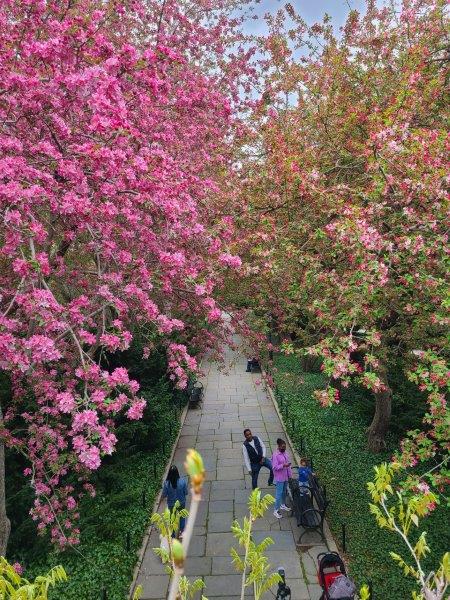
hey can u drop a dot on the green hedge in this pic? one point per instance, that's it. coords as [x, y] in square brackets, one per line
[336, 440]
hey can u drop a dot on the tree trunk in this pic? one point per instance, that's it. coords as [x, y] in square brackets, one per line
[5, 525]
[381, 419]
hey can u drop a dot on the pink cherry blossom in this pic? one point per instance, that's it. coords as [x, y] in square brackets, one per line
[135, 411]
[90, 457]
[230, 261]
[66, 402]
[117, 161]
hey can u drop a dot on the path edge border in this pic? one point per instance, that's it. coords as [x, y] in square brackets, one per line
[156, 504]
[332, 546]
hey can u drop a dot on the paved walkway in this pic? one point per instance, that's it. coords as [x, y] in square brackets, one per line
[232, 401]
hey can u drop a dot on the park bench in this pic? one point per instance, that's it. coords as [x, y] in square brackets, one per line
[309, 506]
[194, 392]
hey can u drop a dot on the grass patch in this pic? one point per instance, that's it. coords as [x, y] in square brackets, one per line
[336, 440]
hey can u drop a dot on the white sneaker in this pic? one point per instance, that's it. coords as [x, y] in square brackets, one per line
[284, 507]
[277, 514]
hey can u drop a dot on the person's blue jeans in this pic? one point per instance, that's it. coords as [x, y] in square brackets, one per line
[303, 487]
[256, 468]
[280, 493]
[182, 524]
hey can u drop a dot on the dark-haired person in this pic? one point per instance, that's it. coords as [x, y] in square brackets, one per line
[282, 471]
[176, 488]
[254, 452]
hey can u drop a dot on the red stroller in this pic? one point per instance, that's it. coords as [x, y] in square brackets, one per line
[333, 578]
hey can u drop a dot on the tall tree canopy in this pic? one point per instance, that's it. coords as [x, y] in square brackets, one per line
[117, 128]
[344, 211]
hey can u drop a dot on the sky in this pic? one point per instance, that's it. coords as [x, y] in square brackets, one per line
[310, 10]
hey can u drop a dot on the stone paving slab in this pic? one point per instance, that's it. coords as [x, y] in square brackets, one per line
[154, 587]
[198, 566]
[282, 539]
[220, 585]
[220, 522]
[221, 565]
[220, 506]
[232, 402]
[221, 495]
[219, 544]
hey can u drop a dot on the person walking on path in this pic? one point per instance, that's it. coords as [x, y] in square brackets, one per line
[254, 452]
[282, 472]
[176, 489]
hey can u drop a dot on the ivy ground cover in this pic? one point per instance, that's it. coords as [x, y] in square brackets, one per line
[336, 440]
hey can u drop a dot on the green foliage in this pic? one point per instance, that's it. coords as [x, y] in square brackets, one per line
[364, 593]
[118, 509]
[189, 590]
[336, 440]
[400, 514]
[15, 587]
[137, 592]
[254, 562]
[168, 523]
[408, 402]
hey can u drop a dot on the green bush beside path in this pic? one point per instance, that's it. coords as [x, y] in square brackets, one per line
[336, 440]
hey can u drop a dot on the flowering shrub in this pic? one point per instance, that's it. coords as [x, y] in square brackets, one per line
[401, 517]
[117, 503]
[334, 438]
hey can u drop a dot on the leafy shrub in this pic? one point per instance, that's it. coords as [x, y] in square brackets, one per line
[102, 559]
[14, 587]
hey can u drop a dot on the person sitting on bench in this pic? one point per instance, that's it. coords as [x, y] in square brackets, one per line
[254, 452]
[252, 364]
[304, 473]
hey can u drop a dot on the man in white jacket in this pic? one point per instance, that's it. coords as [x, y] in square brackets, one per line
[254, 452]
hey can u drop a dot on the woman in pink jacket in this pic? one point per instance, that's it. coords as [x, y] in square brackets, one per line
[281, 464]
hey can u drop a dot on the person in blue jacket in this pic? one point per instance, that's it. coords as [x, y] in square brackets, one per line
[176, 488]
[304, 473]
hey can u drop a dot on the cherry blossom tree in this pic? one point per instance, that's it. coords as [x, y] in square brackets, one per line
[117, 121]
[344, 221]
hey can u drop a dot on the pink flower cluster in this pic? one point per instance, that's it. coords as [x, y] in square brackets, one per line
[180, 364]
[327, 397]
[42, 348]
[229, 260]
